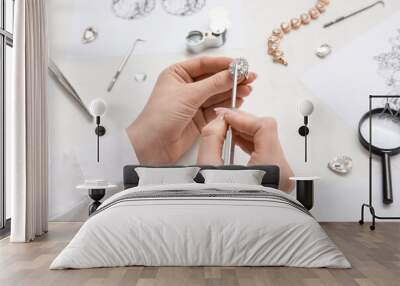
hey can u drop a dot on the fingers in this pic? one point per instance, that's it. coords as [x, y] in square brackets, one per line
[205, 65]
[212, 85]
[219, 83]
[204, 116]
[243, 122]
[252, 76]
[212, 142]
[209, 113]
[242, 91]
[214, 76]
[245, 145]
[243, 135]
[200, 120]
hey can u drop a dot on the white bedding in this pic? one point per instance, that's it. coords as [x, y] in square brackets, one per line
[200, 231]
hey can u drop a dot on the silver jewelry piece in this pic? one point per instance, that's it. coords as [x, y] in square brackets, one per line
[323, 51]
[89, 35]
[132, 9]
[242, 67]
[140, 77]
[238, 69]
[341, 164]
[183, 7]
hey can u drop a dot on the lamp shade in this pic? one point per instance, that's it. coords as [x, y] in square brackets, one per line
[306, 107]
[98, 107]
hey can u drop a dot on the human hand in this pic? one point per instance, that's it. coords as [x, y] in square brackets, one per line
[257, 136]
[181, 104]
[212, 142]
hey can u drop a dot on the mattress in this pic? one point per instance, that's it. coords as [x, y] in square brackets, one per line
[201, 225]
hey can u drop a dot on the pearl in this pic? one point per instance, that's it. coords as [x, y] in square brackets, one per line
[320, 7]
[281, 61]
[278, 54]
[295, 23]
[273, 40]
[278, 58]
[305, 18]
[277, 32]
[285, 26]
[314, 13]
[272, 49]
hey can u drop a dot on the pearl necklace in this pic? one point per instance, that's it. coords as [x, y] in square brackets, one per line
[294, 24]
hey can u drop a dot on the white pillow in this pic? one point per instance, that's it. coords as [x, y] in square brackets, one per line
[163, 176]
[248, 177]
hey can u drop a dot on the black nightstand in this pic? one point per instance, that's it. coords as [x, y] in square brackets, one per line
[305, 190]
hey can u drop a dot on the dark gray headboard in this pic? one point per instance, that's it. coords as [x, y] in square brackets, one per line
[271, 177]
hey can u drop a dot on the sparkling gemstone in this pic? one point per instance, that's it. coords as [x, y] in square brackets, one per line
[140, 77]
[242, 66]
[89, 35]
[323, 51]
[341, 164]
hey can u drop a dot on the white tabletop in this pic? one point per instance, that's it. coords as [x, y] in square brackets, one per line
[304, 178]
[95, 187]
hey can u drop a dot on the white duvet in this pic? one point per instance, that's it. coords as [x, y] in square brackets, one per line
[200, 231]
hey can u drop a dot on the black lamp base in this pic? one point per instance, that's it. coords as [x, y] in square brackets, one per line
[305, 193]
[96, 195]
[304, 131]
[100, 130]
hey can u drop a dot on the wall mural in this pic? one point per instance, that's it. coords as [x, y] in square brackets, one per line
[126, 88]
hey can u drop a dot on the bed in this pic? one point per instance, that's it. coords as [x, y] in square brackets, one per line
[201, 224]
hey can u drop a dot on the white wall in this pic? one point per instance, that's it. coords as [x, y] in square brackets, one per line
[277, 92]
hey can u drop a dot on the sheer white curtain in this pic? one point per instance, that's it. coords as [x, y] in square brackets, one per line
[26, 120]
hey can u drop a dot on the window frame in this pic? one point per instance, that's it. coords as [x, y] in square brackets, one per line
[6, 39]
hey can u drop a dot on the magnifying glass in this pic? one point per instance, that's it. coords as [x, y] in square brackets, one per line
[198, 41]
[385, 142]
[195, 37]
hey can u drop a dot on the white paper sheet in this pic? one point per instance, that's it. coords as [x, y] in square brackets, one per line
[345, 80]
[163, 32]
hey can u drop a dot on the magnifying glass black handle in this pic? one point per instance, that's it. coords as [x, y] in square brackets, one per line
[387, 179]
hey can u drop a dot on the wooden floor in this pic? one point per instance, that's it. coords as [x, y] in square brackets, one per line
[375, 257]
